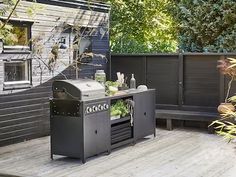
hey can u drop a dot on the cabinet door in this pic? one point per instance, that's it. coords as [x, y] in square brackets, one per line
[90, 135]
[144, 114]
[96, 133]
[66, 136]
[104, 132]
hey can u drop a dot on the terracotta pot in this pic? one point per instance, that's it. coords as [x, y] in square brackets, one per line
[225, 107]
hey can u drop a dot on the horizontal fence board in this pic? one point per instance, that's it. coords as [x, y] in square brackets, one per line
[16, 127]
[6, 135]
[5, 105]
[22, 114]
[22, 120]
[23, 96]
[23, 108]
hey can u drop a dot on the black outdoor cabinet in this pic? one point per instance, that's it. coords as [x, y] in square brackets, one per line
[80, 134]
[144, 114]
[66, 130]
[81, 125]
[97, 133]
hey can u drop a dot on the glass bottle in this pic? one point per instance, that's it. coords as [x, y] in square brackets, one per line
[132, 82]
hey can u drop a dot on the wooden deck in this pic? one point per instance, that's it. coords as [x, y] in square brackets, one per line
[177, 153]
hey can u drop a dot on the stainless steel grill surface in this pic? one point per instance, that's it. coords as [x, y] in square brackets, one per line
[81, 89]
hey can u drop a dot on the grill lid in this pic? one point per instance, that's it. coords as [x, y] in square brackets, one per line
[80, 89]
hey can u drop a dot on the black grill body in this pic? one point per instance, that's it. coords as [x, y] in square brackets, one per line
[77, 128]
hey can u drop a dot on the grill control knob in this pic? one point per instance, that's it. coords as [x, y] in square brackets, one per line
[95, 108]
[106, 106]
[89, 109]
[100, 107]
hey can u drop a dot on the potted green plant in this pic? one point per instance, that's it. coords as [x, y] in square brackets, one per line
[119, 109]
[225, 125]
[111, 87]
[226, 67]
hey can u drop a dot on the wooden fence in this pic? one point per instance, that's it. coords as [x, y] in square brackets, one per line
[182, 81]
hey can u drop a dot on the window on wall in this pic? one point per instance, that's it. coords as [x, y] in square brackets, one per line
[85, 45]
[17, 43]
[17, 74]
[85, 41]
[18, 37]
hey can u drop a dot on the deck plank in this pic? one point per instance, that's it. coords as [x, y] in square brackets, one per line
[180, 152]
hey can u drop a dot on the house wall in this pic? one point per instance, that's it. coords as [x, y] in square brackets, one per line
[24, 113]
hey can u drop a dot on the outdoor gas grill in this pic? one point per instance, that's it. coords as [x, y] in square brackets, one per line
[81, 89]
[79, 119]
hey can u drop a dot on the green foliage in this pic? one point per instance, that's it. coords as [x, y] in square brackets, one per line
[111, 87]
[111, 83]
[225, 126]
[120, 108]
[142, 26]
[33, 9]
[7, 35]
[206, 25]
[6, 32]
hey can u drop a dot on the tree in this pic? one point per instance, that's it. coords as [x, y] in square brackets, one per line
[5, 29]
[142, 26]
[206, 25]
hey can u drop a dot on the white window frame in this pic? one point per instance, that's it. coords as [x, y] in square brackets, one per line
[20, 48]
[21, 84]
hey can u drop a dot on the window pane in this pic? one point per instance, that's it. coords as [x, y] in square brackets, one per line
[19, 36]
[15, 71]
[85, 45]
[84, 53]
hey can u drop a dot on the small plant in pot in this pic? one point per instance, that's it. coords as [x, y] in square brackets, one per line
[227, 68]
[225, 125]
[119, 109]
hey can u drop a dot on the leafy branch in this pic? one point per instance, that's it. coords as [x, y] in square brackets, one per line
[9, 16]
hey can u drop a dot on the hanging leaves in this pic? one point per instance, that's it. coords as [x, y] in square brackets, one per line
[206, 26]
[142, 26]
